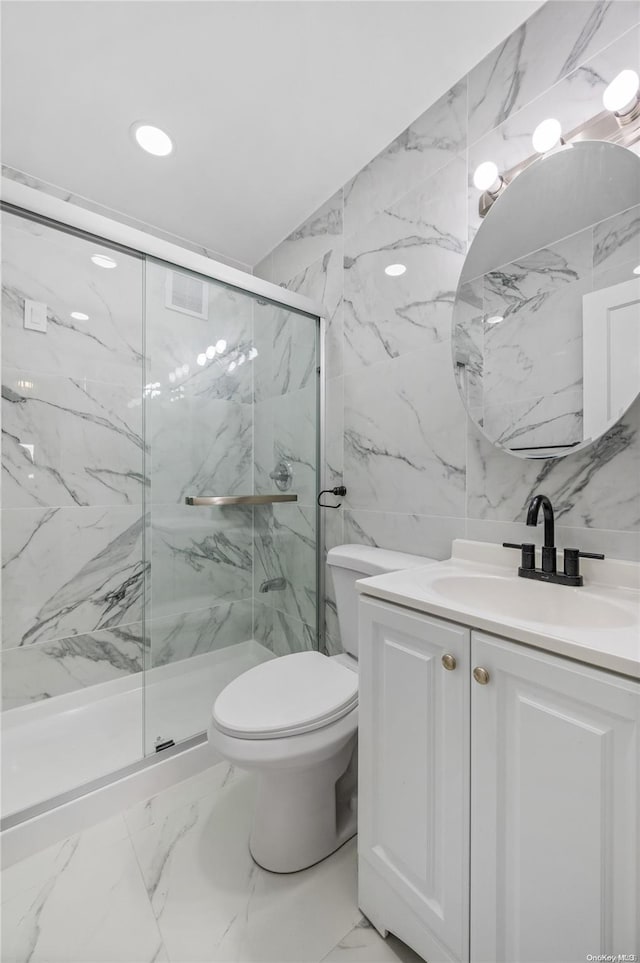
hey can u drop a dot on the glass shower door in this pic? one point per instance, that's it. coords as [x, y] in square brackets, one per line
[73, 463]
[230, 395]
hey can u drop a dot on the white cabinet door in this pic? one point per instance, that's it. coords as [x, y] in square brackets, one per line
[414, 779]
[555, 811]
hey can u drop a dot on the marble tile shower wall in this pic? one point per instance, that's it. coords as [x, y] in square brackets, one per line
[417, 470]
[285, 424]
[200, 434]
[73, 468]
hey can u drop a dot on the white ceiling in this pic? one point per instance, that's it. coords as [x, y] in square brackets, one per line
[272, 105]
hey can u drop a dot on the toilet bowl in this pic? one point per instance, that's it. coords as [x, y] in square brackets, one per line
[294, 720]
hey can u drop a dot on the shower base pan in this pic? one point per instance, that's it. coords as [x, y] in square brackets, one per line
[70, 761]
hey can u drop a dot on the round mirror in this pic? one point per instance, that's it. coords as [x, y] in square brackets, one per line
[546, 323]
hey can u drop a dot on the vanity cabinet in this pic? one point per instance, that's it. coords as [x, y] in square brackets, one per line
[549, 870]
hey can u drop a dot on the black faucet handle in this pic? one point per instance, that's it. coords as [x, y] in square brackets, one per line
[572, 558]
[528, 553]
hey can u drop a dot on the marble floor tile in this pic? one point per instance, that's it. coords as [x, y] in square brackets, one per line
[213, 903]
[363, 944]
[86, 903]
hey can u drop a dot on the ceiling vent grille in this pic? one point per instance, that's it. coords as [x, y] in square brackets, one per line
[187, 294]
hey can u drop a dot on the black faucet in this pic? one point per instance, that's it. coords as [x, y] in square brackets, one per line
[548, 572]
[549, 563]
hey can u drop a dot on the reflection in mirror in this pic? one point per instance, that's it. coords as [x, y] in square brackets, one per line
[546, 326]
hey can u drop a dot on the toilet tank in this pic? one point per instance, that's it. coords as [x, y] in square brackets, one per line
[348, 563]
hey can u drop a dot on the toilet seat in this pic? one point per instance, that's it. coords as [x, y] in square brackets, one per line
[286, 696]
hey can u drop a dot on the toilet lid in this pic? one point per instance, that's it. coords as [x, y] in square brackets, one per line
[286, 696]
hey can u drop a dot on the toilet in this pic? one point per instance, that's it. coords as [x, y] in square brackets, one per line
[294, 721]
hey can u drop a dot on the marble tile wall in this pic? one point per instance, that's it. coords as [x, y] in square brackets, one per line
[417, 470]
[141, 398]
[285, 429]
[73, 467]
[199, 426]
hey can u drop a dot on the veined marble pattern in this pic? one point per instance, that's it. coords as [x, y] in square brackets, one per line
[186, 634]
[172, 879]
[426, 535]
[176, 339]
[83, 568]
[428, 144]
[213, 903]
[530, 354]
[43, 264]
[280, 633]
[34, 672]
[386, 317]
[286, 344]
[200, 556]
[81, 899]
[334, 534]
[573, 100]
[285, 547]
[551, 44]
[616, 244]
[69, 441]
[323, 281]
[285, 428]
[309, 242]
[334, 432]
[594, 488]
[422, 469]
[554, 419]
[199, 447]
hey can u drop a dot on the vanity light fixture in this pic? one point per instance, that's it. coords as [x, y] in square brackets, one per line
[547, 135]
[395, 270]
[487, 178]
[202, 359]
[101, 260]
[221, 346]
[621, 97]
[618, 123]
[79, 316]
[211, 352]
[253, 352]
[152, 139]
[232, 367]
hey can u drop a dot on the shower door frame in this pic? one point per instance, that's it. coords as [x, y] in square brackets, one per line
[29, 202]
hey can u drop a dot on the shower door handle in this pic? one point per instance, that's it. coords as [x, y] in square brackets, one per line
[221, 500]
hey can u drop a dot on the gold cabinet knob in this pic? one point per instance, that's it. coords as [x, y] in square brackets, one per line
[449, 662]
[480, 675]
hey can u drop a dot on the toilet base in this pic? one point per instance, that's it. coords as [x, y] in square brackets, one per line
[303, 815]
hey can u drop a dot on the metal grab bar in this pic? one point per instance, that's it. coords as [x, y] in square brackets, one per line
[238, 499]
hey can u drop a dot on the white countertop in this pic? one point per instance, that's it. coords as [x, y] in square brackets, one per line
[606, 609]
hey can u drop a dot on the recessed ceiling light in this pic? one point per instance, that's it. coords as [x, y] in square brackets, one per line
[495, 319]
[103, 261]
[395, 270]
[547, 135]
[79, 316]
[152, 139]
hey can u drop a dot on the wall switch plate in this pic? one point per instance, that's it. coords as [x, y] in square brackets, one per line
[35, 316]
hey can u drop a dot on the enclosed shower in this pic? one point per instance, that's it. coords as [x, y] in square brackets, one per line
[161, 440]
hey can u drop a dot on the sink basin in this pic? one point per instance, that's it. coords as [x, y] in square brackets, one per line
[525, 600]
